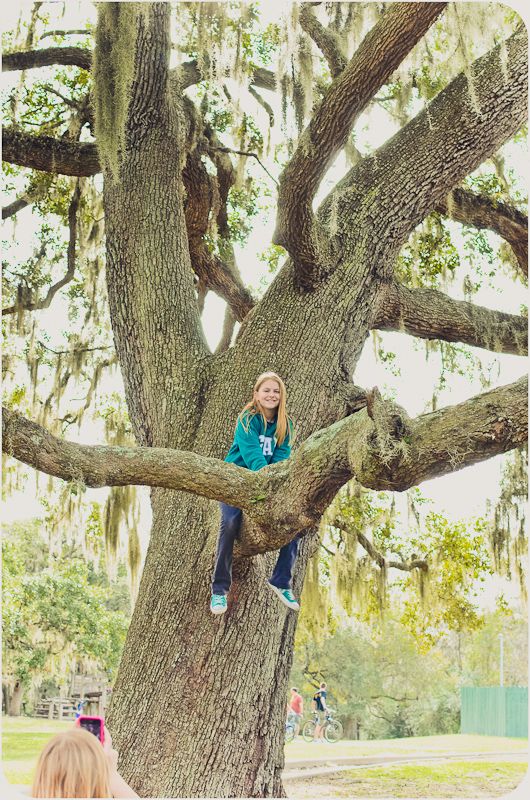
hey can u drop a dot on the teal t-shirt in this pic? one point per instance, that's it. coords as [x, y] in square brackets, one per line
[255, 448]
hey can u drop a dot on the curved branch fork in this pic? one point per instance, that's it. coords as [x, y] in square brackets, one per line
[381, 52]
[380, 446]
[447, 440]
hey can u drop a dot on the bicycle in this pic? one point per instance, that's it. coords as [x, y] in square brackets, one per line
[290, 727]
[332, 728]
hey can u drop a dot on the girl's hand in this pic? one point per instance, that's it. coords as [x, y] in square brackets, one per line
[112, 755]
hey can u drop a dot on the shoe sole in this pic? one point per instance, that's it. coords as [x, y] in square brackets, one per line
[218, 611]
[278, 593]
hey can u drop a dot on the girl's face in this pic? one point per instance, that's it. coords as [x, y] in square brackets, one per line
[268, 396]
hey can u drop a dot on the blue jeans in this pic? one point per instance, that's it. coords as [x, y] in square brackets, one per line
[222, 576]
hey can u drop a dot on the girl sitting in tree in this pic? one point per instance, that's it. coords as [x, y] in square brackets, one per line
[264, 433]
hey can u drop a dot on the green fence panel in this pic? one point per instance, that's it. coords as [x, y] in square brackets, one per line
[517, 711]
[494, 710]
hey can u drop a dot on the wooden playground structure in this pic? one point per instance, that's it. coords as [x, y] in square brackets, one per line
[88, 695]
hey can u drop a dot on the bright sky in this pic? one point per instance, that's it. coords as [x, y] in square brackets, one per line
[462, 494]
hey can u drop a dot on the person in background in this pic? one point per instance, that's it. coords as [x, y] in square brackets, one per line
[79, 708]
[296, 708]
[75, 764]
[320, 706]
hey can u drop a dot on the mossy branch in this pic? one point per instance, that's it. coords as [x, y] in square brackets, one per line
[431, 314]
[325, 39]
[379, 446]
[45, 153]
[481, 211]
[381, 52]
[452, 136]
[51, 56]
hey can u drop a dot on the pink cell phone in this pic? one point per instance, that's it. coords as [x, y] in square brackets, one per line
[95, 725]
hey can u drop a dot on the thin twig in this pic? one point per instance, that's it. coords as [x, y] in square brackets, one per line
[246, 153]
[71, 262]
[67, 100]
[71, 352]
[74, 32]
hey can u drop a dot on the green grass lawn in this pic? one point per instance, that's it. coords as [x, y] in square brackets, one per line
[471, 779]
[22, 740]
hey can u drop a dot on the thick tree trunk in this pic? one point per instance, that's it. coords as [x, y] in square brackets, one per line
[198, 705]
[14, 700]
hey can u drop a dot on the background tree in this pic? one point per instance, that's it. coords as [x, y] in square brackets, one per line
[384, 682]
[167, 184]
[380, 682]
[58, 616]
[369, 554]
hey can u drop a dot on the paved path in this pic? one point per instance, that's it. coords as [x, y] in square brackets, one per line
[310, 767]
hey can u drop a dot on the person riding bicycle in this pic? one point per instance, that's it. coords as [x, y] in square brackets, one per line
[295, 708]
[320, 707]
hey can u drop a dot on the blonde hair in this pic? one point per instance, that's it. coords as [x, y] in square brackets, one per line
[72, 764]
[284, 423]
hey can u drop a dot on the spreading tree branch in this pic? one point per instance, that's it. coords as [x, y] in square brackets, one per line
[325, 39]
[120, 466]
[60, 156]
[70, 32]
[217, 276]
[381, 52]
[481, 211]
[17, 205]
[213, 273]
[34, 305]
[431, 314]
[377, 556]
[379, 446]
[189, 74]
[51, 56]
[451, 439]
[412, 173]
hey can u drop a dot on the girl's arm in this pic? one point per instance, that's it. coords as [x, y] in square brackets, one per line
[249, 446]
[283, 450]
[118, 787]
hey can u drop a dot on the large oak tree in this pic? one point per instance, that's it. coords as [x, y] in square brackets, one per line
[198, 704]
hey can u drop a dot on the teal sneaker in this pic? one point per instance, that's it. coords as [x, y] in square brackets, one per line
[218, 604]
[286, 596]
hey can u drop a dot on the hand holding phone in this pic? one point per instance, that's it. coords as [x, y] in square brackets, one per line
[95, 725]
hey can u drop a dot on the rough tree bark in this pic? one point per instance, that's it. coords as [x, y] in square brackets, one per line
[198, 704]
[14, 699]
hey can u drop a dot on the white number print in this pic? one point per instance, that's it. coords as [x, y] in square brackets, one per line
[266, 445]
